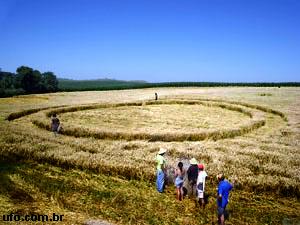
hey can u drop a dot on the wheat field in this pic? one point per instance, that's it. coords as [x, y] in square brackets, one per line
[102, 165]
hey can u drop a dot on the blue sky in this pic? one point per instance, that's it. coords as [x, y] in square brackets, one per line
[156, 41]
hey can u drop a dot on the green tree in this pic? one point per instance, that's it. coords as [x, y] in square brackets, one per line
[28, 79]
[6, 80]
[50, 82]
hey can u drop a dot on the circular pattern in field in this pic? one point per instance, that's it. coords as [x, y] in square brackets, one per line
[156, 118]
[135, 124]
[163, 120]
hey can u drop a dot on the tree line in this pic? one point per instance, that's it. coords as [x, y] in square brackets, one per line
[26, 80]
[29, 81]
[100, 85]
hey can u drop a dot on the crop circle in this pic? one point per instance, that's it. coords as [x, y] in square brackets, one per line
[166, 118]
[193, 131]
[177, 133]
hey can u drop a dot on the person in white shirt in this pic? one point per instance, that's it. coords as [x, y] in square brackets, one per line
[201, 184]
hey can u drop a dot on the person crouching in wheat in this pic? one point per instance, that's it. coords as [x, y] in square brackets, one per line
[55, 124]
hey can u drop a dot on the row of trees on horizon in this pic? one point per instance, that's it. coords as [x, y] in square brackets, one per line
[26, 80]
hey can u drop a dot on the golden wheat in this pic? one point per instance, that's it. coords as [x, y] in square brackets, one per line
[263, 159]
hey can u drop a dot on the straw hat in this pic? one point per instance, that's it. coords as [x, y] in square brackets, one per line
[162, 151]
[193, 161]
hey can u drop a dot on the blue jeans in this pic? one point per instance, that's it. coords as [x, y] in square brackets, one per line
[160, 181]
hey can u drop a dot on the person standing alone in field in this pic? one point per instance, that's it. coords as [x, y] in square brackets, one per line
[192, 173]
[156, 96]
[55, 124]
[160, 170]
[179, 174]
[224, 188]
[201, 185]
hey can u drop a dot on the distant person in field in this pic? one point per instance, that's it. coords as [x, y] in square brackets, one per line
[224, 188]
[156, 96]
[55, 124]
[179, 180]
[201, 185]
[160, 170]
[192, 173]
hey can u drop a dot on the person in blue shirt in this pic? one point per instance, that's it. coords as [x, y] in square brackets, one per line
[224, 188]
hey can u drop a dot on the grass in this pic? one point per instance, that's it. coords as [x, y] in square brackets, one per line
[91, 159]
[91, 172]
[80, 195]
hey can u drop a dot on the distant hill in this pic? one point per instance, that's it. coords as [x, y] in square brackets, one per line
[98, 84]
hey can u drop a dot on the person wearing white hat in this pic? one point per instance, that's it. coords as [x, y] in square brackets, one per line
[160, 173]
[192, 173]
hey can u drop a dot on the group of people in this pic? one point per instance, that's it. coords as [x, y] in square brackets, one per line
[196, 176]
